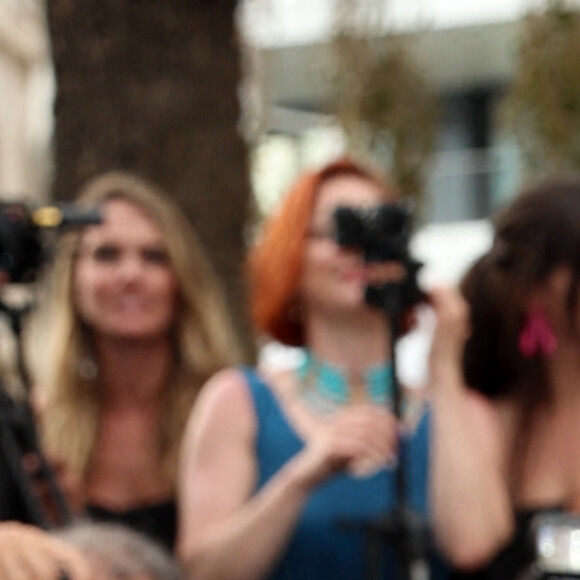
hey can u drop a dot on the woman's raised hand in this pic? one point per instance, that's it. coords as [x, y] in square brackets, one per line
[451, 332]
[358, 439]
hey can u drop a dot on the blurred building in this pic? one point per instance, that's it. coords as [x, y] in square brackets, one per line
[475, 167]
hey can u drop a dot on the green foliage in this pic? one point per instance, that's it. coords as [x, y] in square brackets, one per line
[383, 100]
[543, 104]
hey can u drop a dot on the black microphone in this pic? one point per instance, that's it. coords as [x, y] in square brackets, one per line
[63, 215]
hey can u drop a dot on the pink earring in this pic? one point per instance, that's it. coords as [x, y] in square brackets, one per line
[536, 336]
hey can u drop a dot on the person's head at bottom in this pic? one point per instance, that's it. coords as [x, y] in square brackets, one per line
[116, 552]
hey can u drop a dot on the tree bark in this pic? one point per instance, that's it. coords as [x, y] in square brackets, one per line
[151, 87]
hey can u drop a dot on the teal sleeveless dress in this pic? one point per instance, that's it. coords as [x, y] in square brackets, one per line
[329, 541]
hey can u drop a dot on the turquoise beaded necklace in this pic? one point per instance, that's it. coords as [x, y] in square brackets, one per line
[325, 387]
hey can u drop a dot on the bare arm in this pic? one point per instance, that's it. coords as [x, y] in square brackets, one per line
[469, 493]
[225, 531]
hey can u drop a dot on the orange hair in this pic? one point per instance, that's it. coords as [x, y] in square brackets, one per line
[276, 261]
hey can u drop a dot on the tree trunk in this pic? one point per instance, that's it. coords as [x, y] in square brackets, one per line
[151, 87]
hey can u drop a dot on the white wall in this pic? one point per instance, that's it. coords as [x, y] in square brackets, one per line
[447, 251]
[25, 98]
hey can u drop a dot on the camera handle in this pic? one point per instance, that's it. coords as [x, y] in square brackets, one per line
[402, 527]
[18, 437]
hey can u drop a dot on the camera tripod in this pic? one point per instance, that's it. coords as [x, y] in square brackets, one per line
[402, 527]
[18, 439]
[382, 235]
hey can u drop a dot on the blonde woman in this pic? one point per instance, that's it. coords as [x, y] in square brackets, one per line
[135, 326]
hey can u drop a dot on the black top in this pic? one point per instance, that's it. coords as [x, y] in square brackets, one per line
[517, 556]
[158, 521]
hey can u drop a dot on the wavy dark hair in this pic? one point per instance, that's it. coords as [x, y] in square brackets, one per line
[536, 233]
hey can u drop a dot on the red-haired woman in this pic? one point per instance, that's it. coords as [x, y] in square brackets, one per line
[273, 461]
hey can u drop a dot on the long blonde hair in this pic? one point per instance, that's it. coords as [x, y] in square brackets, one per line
[202, 333]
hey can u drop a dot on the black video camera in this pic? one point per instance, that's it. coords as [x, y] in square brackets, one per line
[21, 246]
[383, 234]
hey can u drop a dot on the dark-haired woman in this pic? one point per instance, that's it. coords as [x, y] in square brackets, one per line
[506, 449]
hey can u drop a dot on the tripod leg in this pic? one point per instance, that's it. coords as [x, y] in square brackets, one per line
[9, 449]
